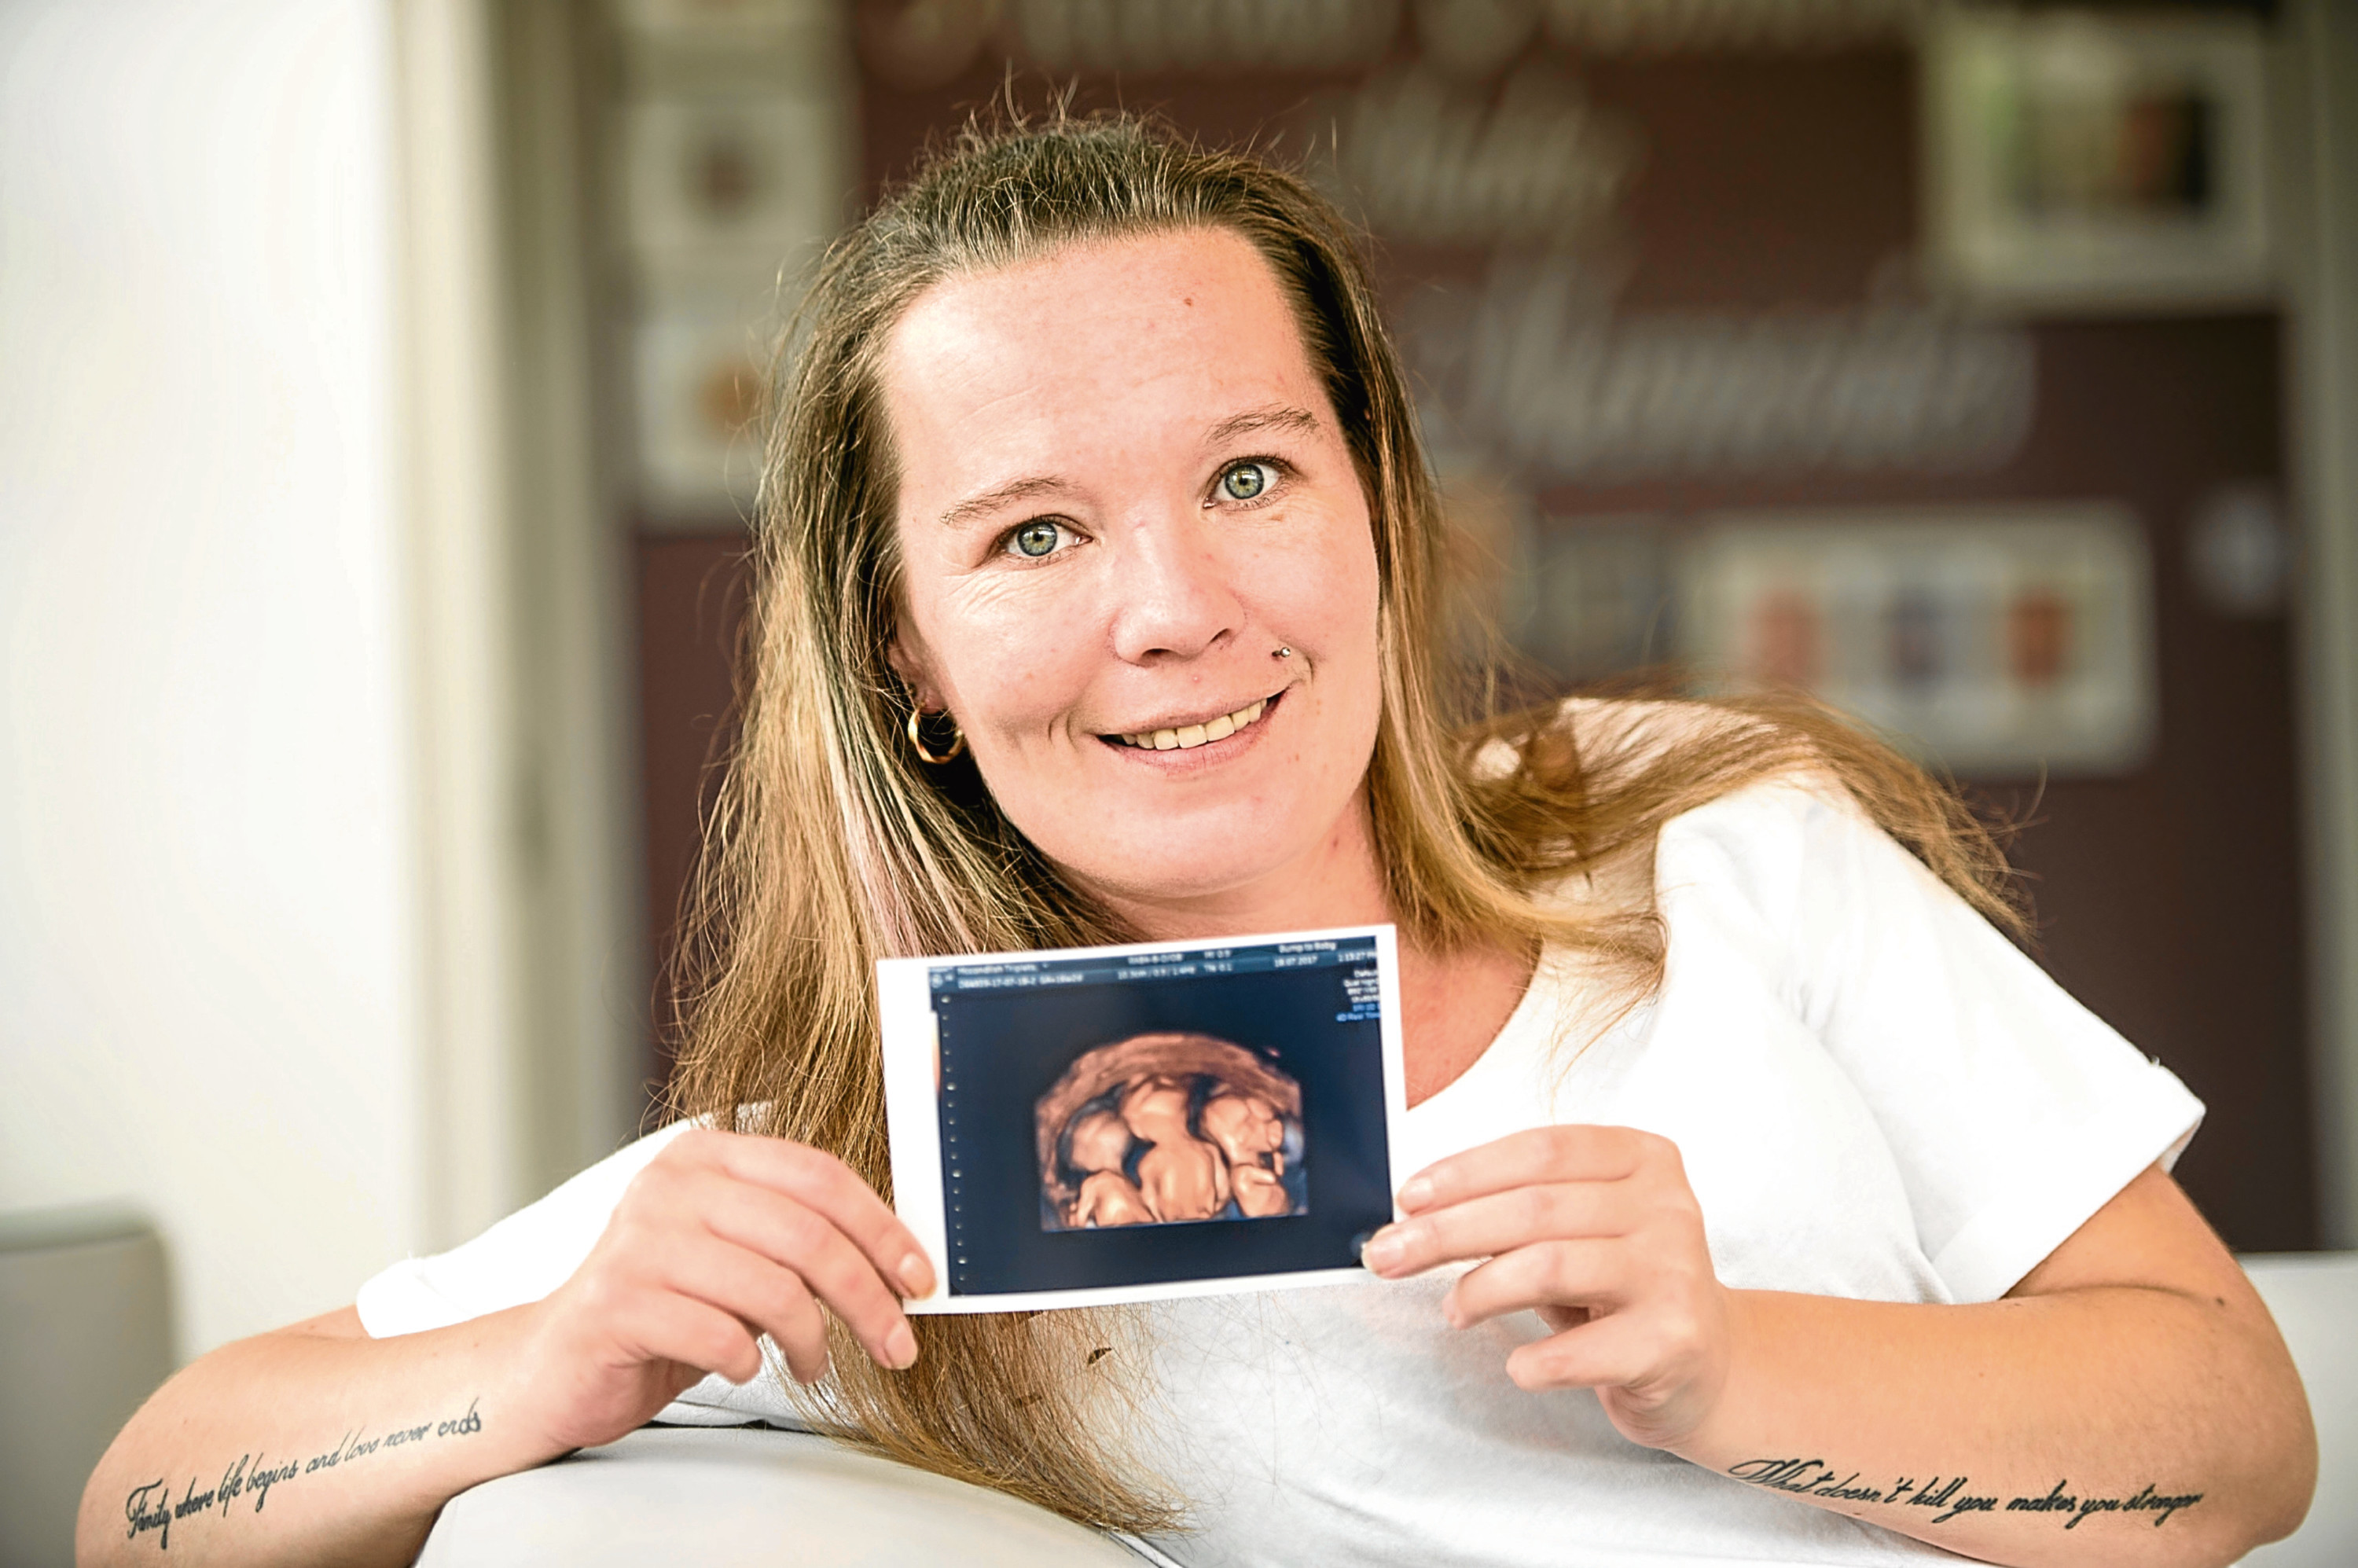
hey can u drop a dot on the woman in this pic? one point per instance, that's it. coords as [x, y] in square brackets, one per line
[1776, 1208]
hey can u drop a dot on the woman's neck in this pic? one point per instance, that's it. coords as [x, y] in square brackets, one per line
[1452, 1003]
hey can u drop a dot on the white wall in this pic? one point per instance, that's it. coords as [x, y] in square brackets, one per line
[209, 996]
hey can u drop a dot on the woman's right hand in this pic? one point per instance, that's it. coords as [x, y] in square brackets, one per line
[720, 1239]
[723, 1237]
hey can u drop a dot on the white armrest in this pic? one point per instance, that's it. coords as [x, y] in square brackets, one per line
[2314, 1296]
[666, 1497]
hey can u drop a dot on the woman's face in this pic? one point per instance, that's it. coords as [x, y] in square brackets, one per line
[1121, 491]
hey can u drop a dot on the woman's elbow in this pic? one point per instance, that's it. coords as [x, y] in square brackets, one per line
[2292, 1481]
[2280, 1451]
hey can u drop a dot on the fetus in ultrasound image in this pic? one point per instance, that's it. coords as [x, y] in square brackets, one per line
[1169, 1128]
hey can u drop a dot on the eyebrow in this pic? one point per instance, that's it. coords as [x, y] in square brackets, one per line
[991, 500]
[1273, 416]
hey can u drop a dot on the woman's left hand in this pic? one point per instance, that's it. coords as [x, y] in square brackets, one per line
[1596, 1231]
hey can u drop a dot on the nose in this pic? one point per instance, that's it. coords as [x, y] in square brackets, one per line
[1175, 599]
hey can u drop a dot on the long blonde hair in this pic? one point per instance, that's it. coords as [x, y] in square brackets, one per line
[832, 847]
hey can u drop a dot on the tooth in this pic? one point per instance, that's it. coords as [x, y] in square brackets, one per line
[1219, 729]
[1191, 737]
[1166, 739]
[1251, 715]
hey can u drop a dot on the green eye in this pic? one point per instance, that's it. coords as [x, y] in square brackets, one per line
[1244, 482]
[1036, 539]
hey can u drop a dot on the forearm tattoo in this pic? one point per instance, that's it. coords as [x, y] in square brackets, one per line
[1953, 1496]
[151, 1509]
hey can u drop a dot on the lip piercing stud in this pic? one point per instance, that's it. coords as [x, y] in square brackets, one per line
[1285, 652]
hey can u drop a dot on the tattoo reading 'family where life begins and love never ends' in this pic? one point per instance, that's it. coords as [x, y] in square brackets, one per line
[1951, 1496]
[152, 1508]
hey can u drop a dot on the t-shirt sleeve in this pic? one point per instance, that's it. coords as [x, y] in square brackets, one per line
[522, 1259]
[2012, 1112]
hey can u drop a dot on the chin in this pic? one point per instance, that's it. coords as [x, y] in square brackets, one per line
[1179, 867]
[1142, 845]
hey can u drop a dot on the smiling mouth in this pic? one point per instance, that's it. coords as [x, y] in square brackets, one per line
[1188, 737]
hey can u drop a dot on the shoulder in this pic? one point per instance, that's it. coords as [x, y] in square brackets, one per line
[1643, 730]
[1627, 741]
[1778, 843]
[1651, 795]
[1703, 768]
[1620, 732]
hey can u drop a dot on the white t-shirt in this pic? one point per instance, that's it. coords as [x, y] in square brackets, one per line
[1874, 1095]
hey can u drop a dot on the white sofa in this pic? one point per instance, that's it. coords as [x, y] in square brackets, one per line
[2314, 1296]
[717, 1499]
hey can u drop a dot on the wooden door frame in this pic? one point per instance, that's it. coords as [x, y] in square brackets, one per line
[528, 932]
[2318, 164]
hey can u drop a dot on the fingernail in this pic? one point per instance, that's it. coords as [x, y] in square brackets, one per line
[1383, 1251]
[1416, 1194]
[900, 1349]
[917, 1274]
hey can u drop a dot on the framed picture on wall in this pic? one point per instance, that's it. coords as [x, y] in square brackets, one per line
[720, 24]
[2088, 162]
[1994, 640]
[764, 177]
[700, 353]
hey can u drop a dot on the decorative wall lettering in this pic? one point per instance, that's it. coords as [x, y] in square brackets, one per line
[1664, 25]
[1224, 36]
[1538, 366]
[1432, 163]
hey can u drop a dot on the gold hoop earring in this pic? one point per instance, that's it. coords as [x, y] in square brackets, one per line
[918, 740]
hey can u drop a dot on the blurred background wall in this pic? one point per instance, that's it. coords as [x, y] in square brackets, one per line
[374, 388]
[1938, 359]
